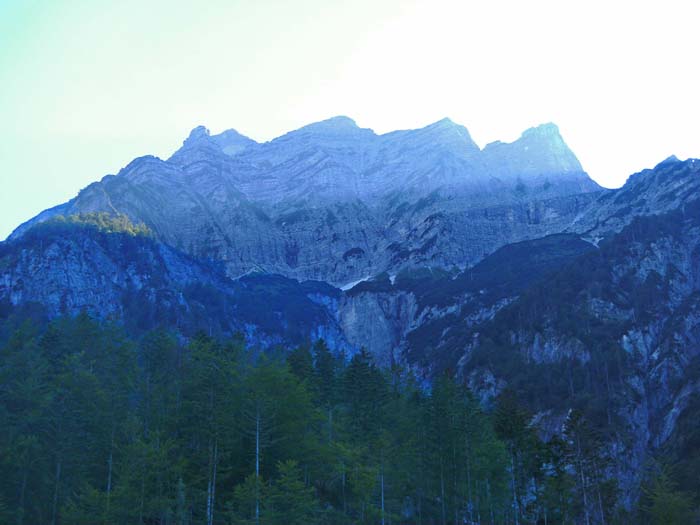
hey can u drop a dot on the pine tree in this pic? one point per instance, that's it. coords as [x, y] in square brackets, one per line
[586, 455]
[210, 405]
[247, 502]
[290, 501]
[511, 423]
[664, 504]
[25, 400]
[301, 364]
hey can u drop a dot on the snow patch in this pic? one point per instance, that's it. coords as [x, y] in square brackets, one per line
[349, 285]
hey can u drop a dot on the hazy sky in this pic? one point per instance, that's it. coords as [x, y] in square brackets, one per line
[85, 86]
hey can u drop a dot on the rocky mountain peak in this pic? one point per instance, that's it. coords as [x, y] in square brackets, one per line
[668, 161]
[446, 130]
[232, 142]
[546, 130]
[337, 122]
[337, 127]
[198, 144]
[198, 133]
[445, 123]
[545, 138]
[540, 151]
[437, 138]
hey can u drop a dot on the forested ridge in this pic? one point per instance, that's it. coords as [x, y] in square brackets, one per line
[100, 427]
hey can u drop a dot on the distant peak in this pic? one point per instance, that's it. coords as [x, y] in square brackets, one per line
[668, 161]
[446, 131]
[539, 150]
[230, 133]
[445, 124]
[446, 121]
[545, 136]
[543, 130]
[342, 120]
[232, 142]
[199, 139]
[339, 122]
[334, 128]
[198, 132]
[197, 135]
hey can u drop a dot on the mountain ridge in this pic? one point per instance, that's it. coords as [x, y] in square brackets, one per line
[298, 203]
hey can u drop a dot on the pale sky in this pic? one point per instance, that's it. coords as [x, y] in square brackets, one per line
[85, 86]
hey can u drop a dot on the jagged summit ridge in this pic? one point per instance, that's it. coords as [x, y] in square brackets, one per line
[671, 159]
[548, 129]
[334, 201]
[341, 126]
[197, 133]
[229, 142]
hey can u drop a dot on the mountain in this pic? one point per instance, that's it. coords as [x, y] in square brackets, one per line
[335, 202]
[505, 267]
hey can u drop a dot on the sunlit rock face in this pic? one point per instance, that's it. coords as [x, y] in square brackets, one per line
[336, 202]
[538, 154]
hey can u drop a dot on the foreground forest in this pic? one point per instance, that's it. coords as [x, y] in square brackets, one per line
[100, 427]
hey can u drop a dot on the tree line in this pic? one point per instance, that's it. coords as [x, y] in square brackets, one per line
[97, 427]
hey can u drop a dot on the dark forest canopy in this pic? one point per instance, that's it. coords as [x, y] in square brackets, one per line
[99, 427]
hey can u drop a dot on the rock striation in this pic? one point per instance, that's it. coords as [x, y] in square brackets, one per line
[335, 202]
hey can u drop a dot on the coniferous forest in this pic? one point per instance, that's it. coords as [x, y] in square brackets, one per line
[100, 427]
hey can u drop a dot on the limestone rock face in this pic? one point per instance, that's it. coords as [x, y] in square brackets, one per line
[669, 186]
[336, 202]
[68, 269]
[379, 321]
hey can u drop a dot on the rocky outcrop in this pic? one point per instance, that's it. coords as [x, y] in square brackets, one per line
[70, 268]
[667, 187]
[379, 322]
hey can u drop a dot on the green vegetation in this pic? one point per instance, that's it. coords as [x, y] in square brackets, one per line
[100, 221]
[96, 427]
[663, 503]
